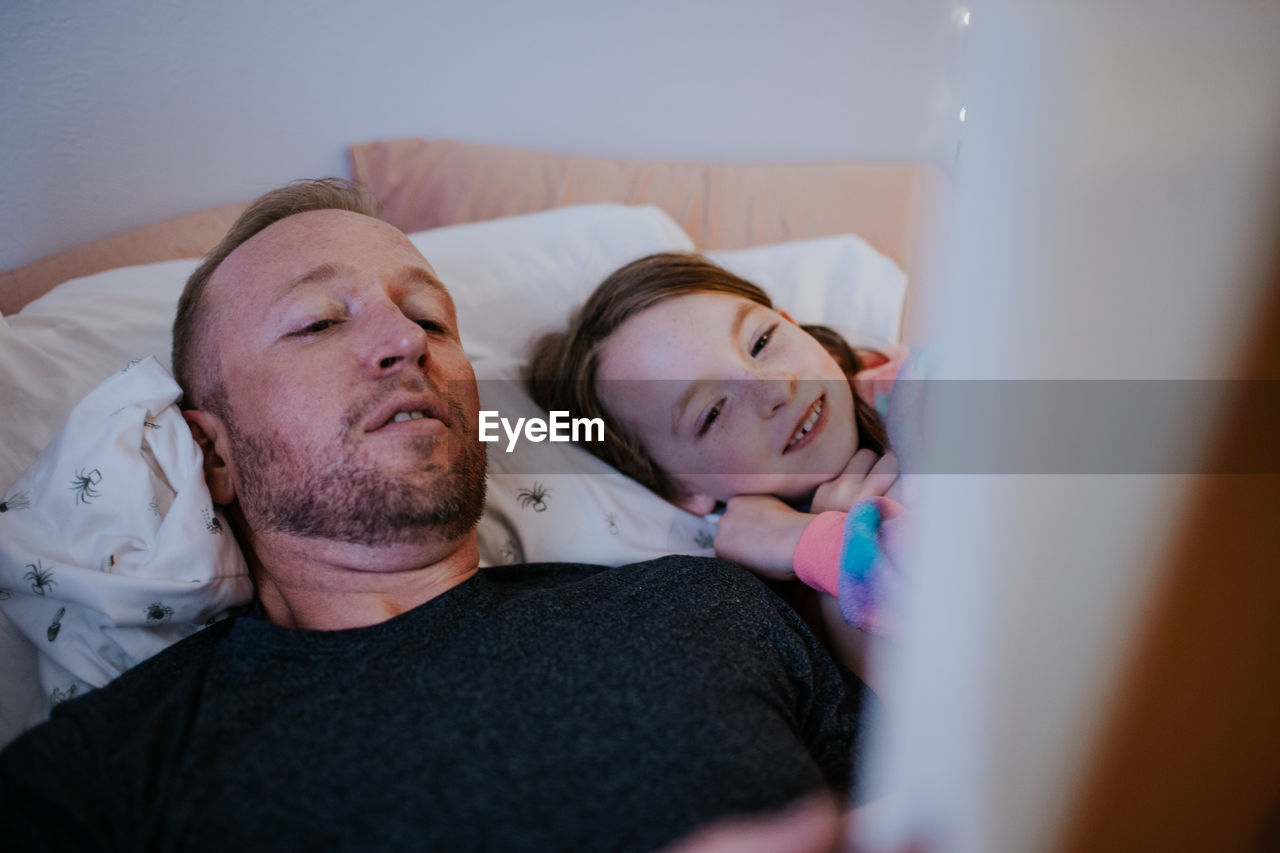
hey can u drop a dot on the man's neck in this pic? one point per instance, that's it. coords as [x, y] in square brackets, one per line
[327, 586]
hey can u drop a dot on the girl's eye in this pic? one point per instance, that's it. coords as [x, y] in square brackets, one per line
[710, 419]
[763, 340]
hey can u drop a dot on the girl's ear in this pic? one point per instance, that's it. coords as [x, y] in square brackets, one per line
[694, 501]
[208, 431]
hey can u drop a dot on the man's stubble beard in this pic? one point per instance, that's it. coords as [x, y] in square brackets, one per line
[324, 493]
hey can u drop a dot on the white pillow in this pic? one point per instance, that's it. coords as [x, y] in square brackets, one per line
[58, 347]
[839, 282]
[511, 277]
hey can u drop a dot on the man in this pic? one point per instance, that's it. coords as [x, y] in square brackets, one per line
[386, 692]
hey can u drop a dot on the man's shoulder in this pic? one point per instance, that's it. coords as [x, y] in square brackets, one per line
[675, 570]
[695, 573]
[109, 723]
[181, 657]
[679, 586]
[146, 685]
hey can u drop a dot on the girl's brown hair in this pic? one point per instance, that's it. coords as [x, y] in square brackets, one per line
[562, 368]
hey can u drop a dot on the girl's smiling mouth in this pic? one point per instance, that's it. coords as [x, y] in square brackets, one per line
[814, 419]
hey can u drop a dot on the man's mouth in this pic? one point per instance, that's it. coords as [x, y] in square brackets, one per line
[809, 425]
[406, 408]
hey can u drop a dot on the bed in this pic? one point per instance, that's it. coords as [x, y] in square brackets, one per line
[91, 583]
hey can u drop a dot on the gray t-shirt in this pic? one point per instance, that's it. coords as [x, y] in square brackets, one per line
[533, 707]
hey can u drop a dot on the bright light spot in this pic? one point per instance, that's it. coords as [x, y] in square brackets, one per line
[962, 113]
[964, 19]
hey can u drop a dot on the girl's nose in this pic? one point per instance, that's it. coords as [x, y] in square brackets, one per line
[774, 394]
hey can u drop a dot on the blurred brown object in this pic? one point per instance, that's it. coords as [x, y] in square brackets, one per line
[1189, 759]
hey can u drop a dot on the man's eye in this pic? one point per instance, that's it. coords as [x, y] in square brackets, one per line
[763, 340]
[433, 327]
[316, 328]
[710, 419]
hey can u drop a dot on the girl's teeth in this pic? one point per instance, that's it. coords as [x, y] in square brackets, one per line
[807, 425]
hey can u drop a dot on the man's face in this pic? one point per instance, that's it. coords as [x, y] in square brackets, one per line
[349, 405]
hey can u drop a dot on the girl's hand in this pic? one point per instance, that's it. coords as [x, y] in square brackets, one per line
[866, 476]
[760, 532]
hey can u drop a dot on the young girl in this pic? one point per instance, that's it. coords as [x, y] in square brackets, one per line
[710, 396]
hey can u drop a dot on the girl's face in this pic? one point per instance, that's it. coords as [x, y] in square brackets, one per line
[728, 397]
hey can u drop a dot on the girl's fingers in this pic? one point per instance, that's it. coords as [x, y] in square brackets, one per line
[888, 464]
[861, 463]
[867, 475]
[882, 476]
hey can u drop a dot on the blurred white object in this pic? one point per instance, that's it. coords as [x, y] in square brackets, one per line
[1106, 223]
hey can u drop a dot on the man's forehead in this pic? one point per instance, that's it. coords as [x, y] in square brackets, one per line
[285, 250]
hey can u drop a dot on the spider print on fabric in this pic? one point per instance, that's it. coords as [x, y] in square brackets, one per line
[57, 697]
[211, 522]
[41, 578]
[704, 538]
[535, 497]
[131, 363]
[158, 612]
[150, 425]
[508, 551]
[17, 501]
[154, 506]
[611, 520]
[83, 485]
[56, 625]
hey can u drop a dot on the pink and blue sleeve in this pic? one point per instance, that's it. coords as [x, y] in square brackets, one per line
[850, 555]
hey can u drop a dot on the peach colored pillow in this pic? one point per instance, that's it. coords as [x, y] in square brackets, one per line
[425, 183]
[188, 236]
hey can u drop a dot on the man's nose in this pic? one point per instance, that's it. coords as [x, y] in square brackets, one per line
[395, 343]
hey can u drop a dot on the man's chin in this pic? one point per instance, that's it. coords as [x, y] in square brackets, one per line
[368, 508]
[376, 494]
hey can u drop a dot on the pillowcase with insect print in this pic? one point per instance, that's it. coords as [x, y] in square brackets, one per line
[555, 502]
[110, 546]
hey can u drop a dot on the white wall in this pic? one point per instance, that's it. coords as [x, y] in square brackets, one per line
[118, 114]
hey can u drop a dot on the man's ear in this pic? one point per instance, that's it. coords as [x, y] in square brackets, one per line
[694, 501]
[211, 435]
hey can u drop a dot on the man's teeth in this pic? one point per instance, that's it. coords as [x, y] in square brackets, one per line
[407, 416]
[808, 423]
